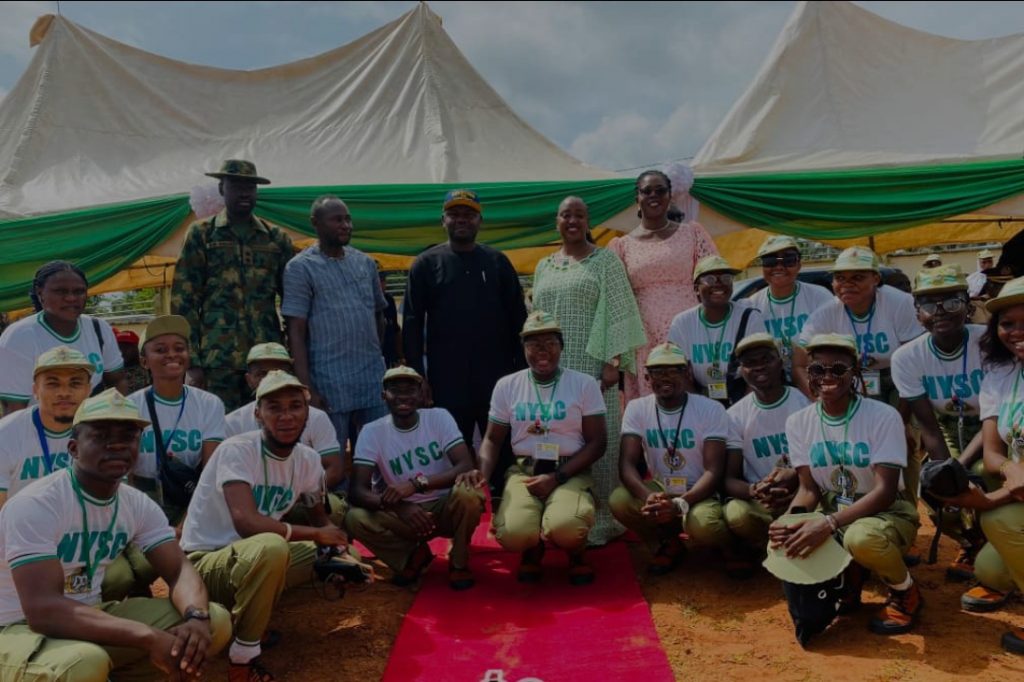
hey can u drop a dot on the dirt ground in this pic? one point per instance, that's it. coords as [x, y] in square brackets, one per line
[711, 627]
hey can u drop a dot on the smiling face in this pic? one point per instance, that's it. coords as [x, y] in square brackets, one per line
[825, 383]
[166, 357]
[714, 288]
[573, 221]
[105, 450]
[934, 314]
[63, 296]
[653, 196]
[780, 269]
[462, 224]
[403, 396]
[856, 288]
[60, 392]
[1010, 329]
[761, 368]
[668, 382]
[282, 415]
[543, 351]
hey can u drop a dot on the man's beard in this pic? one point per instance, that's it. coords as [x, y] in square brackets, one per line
[275, 443]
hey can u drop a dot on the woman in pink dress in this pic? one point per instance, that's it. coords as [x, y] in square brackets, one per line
[659, 256]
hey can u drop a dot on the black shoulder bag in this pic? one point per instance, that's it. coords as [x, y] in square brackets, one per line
[734, 383]
[177, 479]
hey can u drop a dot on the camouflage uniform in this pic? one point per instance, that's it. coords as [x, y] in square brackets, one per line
[226, 284]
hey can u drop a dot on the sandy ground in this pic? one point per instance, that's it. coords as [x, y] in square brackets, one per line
[711, 627]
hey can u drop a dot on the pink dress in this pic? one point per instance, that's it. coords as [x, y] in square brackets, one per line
[661, 274]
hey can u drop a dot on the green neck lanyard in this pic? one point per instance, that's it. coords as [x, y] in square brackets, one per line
[847, 418]
[792, 305]
[716, 349]
[547, 408]
[91, 564]
[267, 453]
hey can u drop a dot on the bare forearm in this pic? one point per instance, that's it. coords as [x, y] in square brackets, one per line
[702, 489]
[67, 619]
[584, 457]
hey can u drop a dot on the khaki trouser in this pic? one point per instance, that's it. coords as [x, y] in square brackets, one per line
[565, 517]
[879, 542]
[748, 520]
[30, 657]
[249, 575]
[705, 523]
[456, 516]
[1000, 563]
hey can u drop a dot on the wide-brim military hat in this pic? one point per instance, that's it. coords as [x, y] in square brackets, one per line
[400, 373]
[1011, 295]
[165, 324]
[109, 406]
[856, 258]
[756, 340]
[240, 169]
[273, 352]
[278, 380]
[824, 563]
[540, 322]
[667, 354]
[713, 263]
[939, 280]
[62, 357]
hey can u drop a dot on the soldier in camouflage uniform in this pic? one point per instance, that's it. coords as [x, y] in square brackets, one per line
[226, 283]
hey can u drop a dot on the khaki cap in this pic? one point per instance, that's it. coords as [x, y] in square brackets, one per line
[940, 279]
[241, 169]
[62, 357]
[540, 322]
[109, 406]
[403, 372]
[277, 380]
[756, 340]
[268, 351]
[776, 243]
[986, 254]
[842, 341]
[667, 354]
[824, 563]
[856, 258]
[1011, 295]
[712, 263]
[166, 324]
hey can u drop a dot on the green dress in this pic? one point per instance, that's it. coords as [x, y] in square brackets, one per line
[600, 321]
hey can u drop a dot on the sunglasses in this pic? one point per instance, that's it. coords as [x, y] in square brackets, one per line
[788, 260]
[665, 372]
[950, 305]
[656, 191]
[549, 345]
[836, 369]
[712, 278]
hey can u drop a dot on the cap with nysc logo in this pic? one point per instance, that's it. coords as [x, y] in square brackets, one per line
[109, 406]
[986, 254]
[166, 324]
[239, 169]
[462, 197]
[278, 380]
[1011, 295]
[939, 280]
[667, 354]
[756, 340]
[712, 263]
[824, 563]
[776, 243]
[841, 341]
[856, 258]
[932, 257]
[540, 322]
[62, 357]
[400, 373]
[274, 352]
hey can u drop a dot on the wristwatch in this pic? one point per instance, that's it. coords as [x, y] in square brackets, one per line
[682, 507]
[420, 482]
[193, 613]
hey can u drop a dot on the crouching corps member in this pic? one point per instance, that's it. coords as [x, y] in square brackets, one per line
[58, 535]
[233, 532]
[419, 453]
[682, 437]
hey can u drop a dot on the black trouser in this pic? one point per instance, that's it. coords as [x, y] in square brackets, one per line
[469, 418]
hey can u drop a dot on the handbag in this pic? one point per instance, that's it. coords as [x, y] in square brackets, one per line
[177, 479]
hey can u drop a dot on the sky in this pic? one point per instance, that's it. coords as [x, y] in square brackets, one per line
[621, 85]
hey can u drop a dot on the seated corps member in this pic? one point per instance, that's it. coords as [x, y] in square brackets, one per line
[708, 332]
[682, 437]
[54, 625]
[34, 442]
[760, 481]
[556, 420]
[850, 454]
[999, 566]
[233, 533]
[939, 374]
[318, 434]
[190, 420]
[418, 454]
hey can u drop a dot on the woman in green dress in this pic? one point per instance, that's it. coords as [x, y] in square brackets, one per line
[587, 290]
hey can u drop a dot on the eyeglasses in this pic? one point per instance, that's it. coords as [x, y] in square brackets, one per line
[759, 360]
[788, 260]
[713, 278]
[950, 305]
[665, 372]
[836, 369]
[656, 191]
[403, 389]
[548, 345]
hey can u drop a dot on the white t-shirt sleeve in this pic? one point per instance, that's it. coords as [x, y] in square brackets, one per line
[812, 326]
[991, 397]
[632, 419]
[735, 441]
[676, 333]
[322, 436]
[718, 425]
[16, 377]
[890, 443]
[367, 446]
[906, 375]
[592, 399]
[28, 530]
[232, 465]
[152, 530]
[112, 360]
[448, 429]
[312, 482]
[501, 407]
[904, 317]
[795, 433]
[214, 427]
[233, 423]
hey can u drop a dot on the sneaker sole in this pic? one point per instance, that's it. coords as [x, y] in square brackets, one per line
[880, 628]
[982, 606]
[1012, 644]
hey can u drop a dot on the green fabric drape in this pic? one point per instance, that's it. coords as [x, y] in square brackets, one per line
[862, 202]
[395, 219]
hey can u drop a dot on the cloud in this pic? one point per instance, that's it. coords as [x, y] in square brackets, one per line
[16, 19]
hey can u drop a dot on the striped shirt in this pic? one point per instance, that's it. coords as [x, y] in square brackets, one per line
[339, 298]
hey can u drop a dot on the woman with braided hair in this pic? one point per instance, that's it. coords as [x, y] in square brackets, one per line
[58, 294]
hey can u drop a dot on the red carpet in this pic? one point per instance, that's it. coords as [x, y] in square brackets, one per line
[551, 631]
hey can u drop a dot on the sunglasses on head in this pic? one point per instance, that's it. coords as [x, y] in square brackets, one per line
[657, 191]
[788, 260]
[836, 369]
[950, 305]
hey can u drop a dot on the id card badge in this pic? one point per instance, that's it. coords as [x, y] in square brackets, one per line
[545, 452]
[77, 583]
[718, 391]
[872, 382]
[843, 502]
[674, 485]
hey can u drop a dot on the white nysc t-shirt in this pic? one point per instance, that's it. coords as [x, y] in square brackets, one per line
[319, 432]
[195, 418]
[22, 459]
[759, 431]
